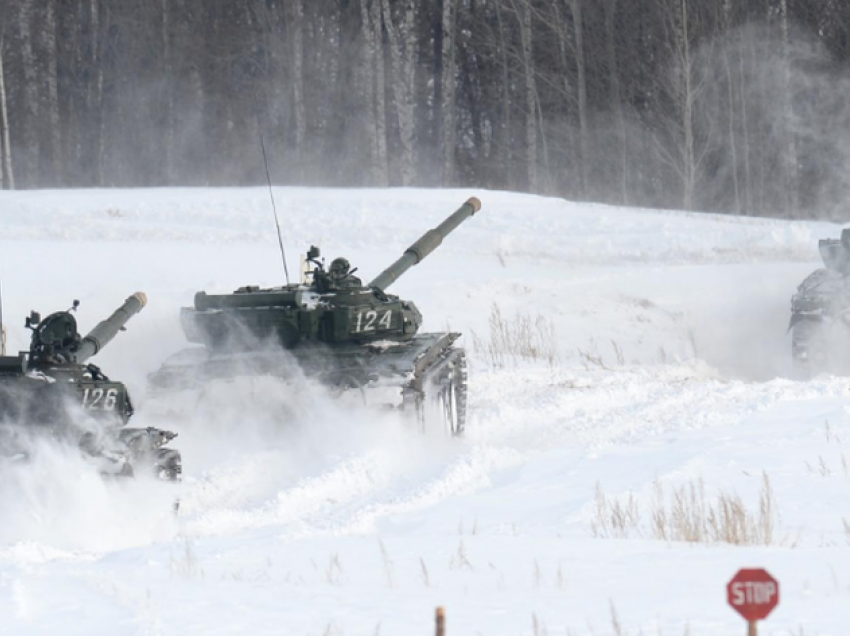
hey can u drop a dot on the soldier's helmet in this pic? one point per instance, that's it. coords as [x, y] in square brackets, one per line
[340, 267]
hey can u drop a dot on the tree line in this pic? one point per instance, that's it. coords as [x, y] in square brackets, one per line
[718, 105]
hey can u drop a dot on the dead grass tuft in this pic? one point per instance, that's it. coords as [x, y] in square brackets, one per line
[185, 562]
[517, 339]
[686, 514]
[614, 519]
[388, 564]
[333, 572]
[459, 560]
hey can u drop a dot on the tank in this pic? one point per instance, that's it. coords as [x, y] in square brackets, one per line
[53, 391]
[348, 335]
[820, 313]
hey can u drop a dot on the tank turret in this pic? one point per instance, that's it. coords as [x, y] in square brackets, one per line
[835, 253]
[346, 333]
[333, 307]
[56, 336]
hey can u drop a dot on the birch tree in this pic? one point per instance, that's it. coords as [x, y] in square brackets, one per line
[375, 91]
[54, 129]
[448, 79]
[683, 84]
[30, 121]
[400, 34]
[524, 15]
[296, 34]
[575, 7]
[616, 97]
[167, 93]
[790, 158]
[7, 176]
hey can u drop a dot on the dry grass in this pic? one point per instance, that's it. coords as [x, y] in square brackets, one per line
[388, 564]
[614, 519]
[423, 573]
[459, 560]
[617, 626]
[590, 360]
[333, 572]
[538, 574]
[686, 514]
[538, 627]
[618, 353]
[517, 339]
[185, 562]
[615, 620]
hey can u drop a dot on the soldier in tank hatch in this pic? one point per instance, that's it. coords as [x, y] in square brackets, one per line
[342, 276]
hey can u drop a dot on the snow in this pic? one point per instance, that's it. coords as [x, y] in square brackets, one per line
[303, 516]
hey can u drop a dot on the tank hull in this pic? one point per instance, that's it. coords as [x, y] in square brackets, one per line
[409, 375]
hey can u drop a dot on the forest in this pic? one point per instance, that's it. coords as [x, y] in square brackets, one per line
[733, 106]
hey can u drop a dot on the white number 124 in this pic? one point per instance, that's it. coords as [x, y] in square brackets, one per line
[370, 317]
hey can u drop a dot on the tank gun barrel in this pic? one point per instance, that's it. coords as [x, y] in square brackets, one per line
[107, 329]
[426, 244]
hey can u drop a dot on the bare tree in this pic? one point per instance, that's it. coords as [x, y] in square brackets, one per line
[400, 34]
[616, 97]
[7, 176]
[296, 22]
[447, 108]
[374, 91]
[682, 85]
[790, 156]
[168, 93]
[524, 16]
[575, 7]
[54, 130]
[30, 90]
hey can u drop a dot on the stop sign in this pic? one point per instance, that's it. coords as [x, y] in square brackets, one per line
[753, 593]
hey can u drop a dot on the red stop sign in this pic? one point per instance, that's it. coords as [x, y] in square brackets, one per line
[753, 593]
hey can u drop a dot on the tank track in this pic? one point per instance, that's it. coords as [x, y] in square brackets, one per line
[440, 397]
[808, 354]
[820, 345]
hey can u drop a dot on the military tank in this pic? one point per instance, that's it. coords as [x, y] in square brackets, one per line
[331, 327]
[52, 392]
[820, 313]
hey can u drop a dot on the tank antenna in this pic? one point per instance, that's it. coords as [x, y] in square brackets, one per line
[271, 192]
[2, 326]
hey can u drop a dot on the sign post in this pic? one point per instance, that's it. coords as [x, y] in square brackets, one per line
[753, 593]
[441, 621]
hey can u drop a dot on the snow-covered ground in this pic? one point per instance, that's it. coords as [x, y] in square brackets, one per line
[302, 516]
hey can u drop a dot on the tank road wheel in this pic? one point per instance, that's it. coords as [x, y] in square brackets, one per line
[446, 394]
[810, 348]
[454, 396]
[168, 464]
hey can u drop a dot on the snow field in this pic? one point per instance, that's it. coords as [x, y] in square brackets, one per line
[300, 516]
